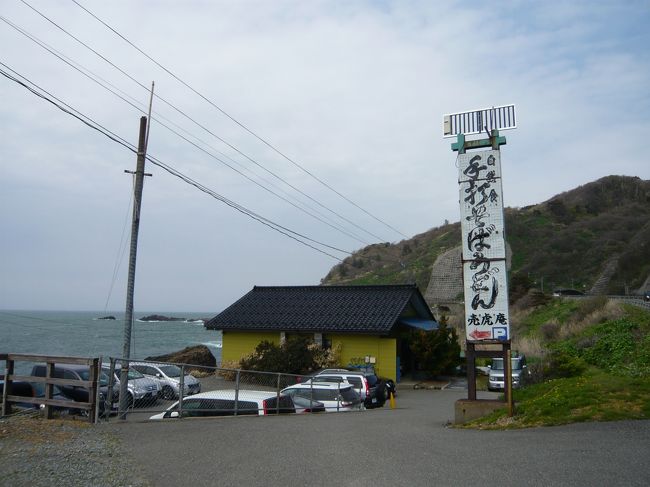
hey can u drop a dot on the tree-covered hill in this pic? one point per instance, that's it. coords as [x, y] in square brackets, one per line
[593, 238]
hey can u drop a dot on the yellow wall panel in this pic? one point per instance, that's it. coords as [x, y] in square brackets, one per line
[236, 345]
[358, 346]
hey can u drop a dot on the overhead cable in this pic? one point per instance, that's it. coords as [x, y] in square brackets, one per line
[240, 124]
[138, 106]
[181, 112]
[116, 138]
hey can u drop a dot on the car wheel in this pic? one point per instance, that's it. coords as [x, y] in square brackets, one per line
[168, 393]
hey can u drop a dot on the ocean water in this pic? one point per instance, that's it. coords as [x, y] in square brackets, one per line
[82, 334]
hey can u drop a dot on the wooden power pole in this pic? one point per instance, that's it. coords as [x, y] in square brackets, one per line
[135, 226]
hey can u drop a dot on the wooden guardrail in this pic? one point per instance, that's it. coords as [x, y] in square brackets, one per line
[50, 380]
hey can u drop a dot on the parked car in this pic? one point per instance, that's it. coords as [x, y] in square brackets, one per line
[305, 405]
[378, 391]
[36, 390]
[140, 389]
[357, 379]
[373, 389]
[496, 379]
[646, 295]
[168, 375]
[72, 392]
[335, 396]
[229, 403]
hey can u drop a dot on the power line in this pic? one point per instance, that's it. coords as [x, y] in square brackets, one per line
[104, 58]
[134, 103]
[115, 138]
[264, 141]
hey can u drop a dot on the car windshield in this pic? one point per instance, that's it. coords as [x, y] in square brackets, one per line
[497, 363]
[134, 374]
[103, 378]
[170, 370]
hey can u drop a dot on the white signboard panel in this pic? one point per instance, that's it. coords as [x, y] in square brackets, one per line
[484, 252]
[477, 166]
[486, 300]
[481, 205]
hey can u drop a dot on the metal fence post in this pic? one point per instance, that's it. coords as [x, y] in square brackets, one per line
[111, 385]
[181, 384]
[338, 397]
[237, 391]
[277, 406]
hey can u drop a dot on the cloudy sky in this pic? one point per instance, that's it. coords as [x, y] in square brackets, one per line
[292, 104]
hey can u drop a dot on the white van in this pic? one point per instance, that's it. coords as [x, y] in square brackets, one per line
[335, 396]
[229, 403]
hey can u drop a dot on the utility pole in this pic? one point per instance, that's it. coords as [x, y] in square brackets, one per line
[135, 227]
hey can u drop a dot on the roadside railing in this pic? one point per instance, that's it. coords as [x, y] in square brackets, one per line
[51, 374]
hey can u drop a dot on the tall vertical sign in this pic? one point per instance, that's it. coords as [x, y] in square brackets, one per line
[484, 248]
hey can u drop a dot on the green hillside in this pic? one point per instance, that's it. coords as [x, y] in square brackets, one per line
[571, 240]
[591, 362]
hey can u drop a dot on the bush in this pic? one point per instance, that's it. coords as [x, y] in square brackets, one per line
[297, 355]
[550, 330]
[562, 363]
[437, 351]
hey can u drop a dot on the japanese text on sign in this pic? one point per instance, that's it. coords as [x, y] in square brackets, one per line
[484, 265]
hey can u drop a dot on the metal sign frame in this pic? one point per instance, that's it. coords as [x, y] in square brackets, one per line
[479, 121]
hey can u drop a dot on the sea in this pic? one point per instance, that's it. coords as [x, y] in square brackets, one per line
[85, 334]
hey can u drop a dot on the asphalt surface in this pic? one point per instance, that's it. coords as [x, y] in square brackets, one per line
[411, 445]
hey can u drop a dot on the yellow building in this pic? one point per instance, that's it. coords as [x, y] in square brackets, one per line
[369, 323]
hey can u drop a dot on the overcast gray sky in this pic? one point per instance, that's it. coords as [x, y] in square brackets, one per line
[352, 91]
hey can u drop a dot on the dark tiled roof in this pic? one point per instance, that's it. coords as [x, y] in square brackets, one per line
[341, 309]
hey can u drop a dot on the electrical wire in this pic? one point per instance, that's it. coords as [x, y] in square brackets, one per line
[134, 103]
[181, 112]
[115, 138]
[264, 141]
[121, 249]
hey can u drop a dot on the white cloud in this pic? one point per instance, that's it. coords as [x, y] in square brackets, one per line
[353, 91]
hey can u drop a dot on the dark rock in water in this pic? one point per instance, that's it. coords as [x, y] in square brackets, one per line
[160, 318]
[106, 318]
[197, 355]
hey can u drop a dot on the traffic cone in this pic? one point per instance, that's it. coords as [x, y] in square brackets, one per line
[391, 400]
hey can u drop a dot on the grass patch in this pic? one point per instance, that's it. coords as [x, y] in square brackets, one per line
[594, 396]
[557, 310]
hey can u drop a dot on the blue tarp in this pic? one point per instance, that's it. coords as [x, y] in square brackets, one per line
[420, 323]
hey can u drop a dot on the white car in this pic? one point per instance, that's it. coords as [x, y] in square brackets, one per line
[139, 388]
[168, 375]
[229, 403]
[357, 379]
[335, 396]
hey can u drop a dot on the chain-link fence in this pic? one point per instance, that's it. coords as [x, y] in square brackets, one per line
[161, 390]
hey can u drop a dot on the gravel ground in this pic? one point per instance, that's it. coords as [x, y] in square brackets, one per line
[38, 452]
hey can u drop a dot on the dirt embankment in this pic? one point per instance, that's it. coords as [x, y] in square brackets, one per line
[196, 355]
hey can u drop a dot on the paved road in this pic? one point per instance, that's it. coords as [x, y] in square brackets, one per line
[409, 446]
